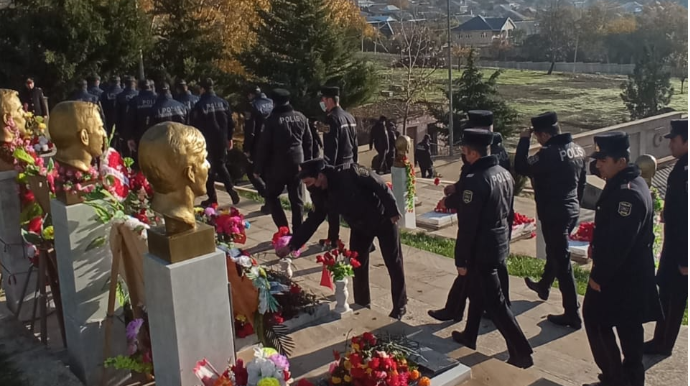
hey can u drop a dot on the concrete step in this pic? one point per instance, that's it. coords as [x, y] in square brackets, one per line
[489, 371]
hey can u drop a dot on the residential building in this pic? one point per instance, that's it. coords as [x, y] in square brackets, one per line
[481, 31]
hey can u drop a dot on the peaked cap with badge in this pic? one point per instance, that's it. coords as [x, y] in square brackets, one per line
[477, 137]
[678, 127]
[615, 144]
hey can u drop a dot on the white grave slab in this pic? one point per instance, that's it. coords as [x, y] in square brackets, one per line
[436, 220]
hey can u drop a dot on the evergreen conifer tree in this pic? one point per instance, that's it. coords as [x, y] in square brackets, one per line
[648, 89]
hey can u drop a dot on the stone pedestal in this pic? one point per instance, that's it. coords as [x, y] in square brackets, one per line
[15, 265]
[189, 315]
[84, 264]
[408, 219]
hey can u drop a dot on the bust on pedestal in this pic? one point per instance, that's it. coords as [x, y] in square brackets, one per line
[401, 180]
[186, 276]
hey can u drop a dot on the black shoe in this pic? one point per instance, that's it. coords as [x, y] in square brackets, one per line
[651, 348]
[209, 202]
[398, 313]
[235, 196]
[265, 209]
[566, 320]
[459, 337]
[534, 286]
[521, 362]
[443, 316]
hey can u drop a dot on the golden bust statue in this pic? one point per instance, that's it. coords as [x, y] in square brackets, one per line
[172, 156]
[77, 131]
[647, 164]
[11, 106]
[403, 147]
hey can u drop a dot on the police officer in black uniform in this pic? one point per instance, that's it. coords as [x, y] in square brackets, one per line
[166, 109]
[95, 86]
[672, 277]
[260, 108]
[213, 117]
[139, 116]
[558, 172]
[484, 197]
[33, 100]
[422, 156]
[368, 206]
[621, 291]
[109, 102]
[378, 139]
[82, 94]
[184, 96]
[285, 144]
[122, 108]
[500, 151]
[339, 144]
[393, 135]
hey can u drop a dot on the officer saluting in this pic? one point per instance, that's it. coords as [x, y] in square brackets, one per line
[672, 276]
[285, 144]
[621, 291]
[369, 208]
[166, 109]
[558, 172]
[484, 197]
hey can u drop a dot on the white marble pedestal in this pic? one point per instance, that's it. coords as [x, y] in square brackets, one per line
[408, 219]
[189, 315]
[84, 262]
[15, 265]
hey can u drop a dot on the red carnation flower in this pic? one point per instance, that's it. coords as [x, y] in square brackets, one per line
[355, 263]
[36, 225]
[437, 181]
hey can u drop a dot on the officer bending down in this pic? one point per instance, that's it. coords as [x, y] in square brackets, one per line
[368, 206]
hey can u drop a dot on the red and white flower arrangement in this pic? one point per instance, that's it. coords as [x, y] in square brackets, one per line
[268, 368]
[585, 232]
[338, 264]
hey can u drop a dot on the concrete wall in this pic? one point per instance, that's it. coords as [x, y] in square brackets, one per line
[579, 67]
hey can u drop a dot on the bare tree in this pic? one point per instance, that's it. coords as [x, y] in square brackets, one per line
[557, 26]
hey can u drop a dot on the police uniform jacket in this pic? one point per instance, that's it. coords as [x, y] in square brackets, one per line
[285, 143]
[354, 192]
[422, 155]
[139, 114]
[379, 138]
[122, 108]
[622, 257]
[483, 199]
[95, 90]
[84, 96]
[34, 101]
[558, 173]
[259, 110]
[675, 250]
[340, 143]
[213, 117]
[501, 154]
[166, 109]
[317, 144]
[109, 104]
[188, 99]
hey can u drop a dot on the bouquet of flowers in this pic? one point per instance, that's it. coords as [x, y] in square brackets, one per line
[338, 264]
[230, 224]
[523, 225]
[139, 357]
[370, 360]
[36, 129]
[268, 368]
[281, 239]
[585, 232]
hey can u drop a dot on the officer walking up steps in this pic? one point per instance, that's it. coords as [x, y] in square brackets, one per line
[184, 96]
[166, 109]
[109, 102]
[369, 208]
[212, 116]
[422, 156]
[139, 116]
[260, 108]
[339, 145]
[621, 291]
[121, 110]
[378, 140]
[285, 144]
[558, 172]
[672, 277]
[484, 197]
[95, 86]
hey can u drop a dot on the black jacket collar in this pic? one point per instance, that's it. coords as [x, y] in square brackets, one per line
[482, 164]
[283, 109]
[560, 139]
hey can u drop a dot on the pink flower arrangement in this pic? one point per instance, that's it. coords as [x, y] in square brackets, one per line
[282, 239]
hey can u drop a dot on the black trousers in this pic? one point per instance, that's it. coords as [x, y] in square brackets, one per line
[388, 235]
[295, 187]
[486, 294]
[381, 163]
[219, 170]
[673, 293]
[558, 265]
[427, 171]
[258, 183]
[605, 350]
[458, 294]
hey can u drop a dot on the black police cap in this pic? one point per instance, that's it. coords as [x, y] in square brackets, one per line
[181, 82]
[207, 83]
[614, 144]
[280, 96]
[498, 139]
[330, 92]
[144, 84]
[477, 137]
[678, 127]
[311, 168]
[480, 118]
[545, 121]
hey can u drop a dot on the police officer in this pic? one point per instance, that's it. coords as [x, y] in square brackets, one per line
[166, 109]
[285, 144]
[422, 156]
[121, 108]
[369, 208]
[378, 139]
[109, 102]
[621, 291]
[95, 86]
[498, 150]
[259, 109]
[672, 276]
[558, 172]
[339, 144]
[82, 94]
[139, 116]
[33, 100]
[393, 135]
[484, 198]
[184, 96]
[213, 117]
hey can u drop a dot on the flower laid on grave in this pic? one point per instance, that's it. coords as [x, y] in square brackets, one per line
[242, 327]
[230, 224]
[377, 361]
[523, 225]
[338, 264]
[139, 355]
[585, 232]
[437, 181]
[281, 239]
[441, 207]
[36, 130]
[268, 368]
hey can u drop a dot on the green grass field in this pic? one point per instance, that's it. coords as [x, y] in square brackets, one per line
[582, 101]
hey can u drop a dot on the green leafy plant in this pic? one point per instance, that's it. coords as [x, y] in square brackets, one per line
[122, 362]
